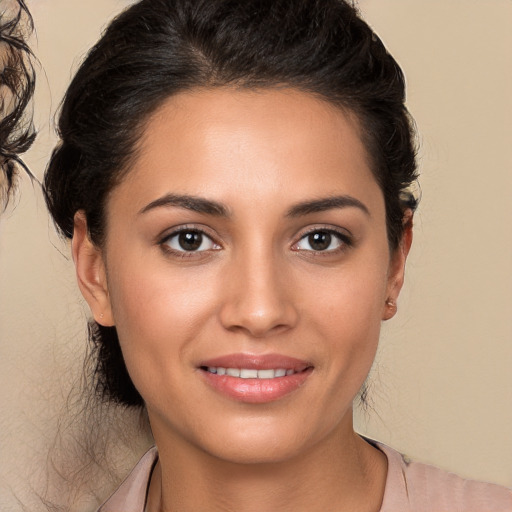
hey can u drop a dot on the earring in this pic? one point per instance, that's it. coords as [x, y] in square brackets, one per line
[391, 303]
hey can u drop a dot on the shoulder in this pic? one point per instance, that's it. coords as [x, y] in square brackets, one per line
[131, 494]
[412, 486]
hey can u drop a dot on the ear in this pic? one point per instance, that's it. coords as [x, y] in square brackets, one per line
[90, 272]
[397, 267]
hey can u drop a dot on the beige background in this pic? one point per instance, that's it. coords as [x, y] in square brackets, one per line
[442, 388]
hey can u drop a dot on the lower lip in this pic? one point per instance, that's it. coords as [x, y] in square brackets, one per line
[256, 391]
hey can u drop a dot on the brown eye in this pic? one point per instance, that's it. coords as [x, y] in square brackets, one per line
[190, 241]
[320, 241]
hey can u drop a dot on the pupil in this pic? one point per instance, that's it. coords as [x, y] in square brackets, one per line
[320, 241]
[190, 241]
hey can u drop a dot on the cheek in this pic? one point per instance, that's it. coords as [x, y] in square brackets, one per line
[353, 298]
[348, 317]
[149, 296]
[158, 314]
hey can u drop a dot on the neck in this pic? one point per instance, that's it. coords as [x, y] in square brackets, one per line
[345, 473]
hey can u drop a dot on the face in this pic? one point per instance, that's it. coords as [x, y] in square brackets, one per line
[246, 269]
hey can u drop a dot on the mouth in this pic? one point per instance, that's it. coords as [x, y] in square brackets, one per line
[255, 379]
[250, 373]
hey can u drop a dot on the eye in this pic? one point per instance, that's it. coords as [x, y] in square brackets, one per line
[189, 240]
[322, 240]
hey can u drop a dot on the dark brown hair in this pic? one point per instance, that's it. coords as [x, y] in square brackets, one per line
[17, 82]
[158, 48]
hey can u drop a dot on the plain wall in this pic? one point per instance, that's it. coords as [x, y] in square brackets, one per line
[442, 386]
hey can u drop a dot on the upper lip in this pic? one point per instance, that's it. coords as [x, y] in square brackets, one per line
[257, 362]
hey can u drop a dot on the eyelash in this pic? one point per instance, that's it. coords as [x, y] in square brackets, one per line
[164, 242]
[343, 238]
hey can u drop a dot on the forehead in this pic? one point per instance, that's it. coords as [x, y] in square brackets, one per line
[266, 144]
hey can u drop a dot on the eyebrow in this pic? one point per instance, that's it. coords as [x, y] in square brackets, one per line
[193, 203]
[328, 203]
[209, 207]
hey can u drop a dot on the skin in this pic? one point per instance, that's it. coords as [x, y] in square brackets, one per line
[259, 287]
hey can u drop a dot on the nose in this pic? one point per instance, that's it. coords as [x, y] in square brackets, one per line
[257, 297]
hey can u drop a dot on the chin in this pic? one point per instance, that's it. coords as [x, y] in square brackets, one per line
[261, 444]
[256, 453]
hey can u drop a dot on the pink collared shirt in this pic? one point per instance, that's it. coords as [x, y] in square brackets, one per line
[410, 487]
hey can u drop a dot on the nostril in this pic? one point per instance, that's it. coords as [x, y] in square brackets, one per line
[259, 331]
[260, 323]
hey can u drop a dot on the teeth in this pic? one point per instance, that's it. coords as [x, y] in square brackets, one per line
[246, 373]
[249, 374]
[266, 374]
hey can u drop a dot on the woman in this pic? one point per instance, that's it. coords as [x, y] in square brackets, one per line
[234, 177]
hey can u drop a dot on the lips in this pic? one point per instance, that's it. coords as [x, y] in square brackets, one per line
[251, 373]
[255, 379]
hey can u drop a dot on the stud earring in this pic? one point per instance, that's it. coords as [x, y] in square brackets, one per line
[391, 303]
